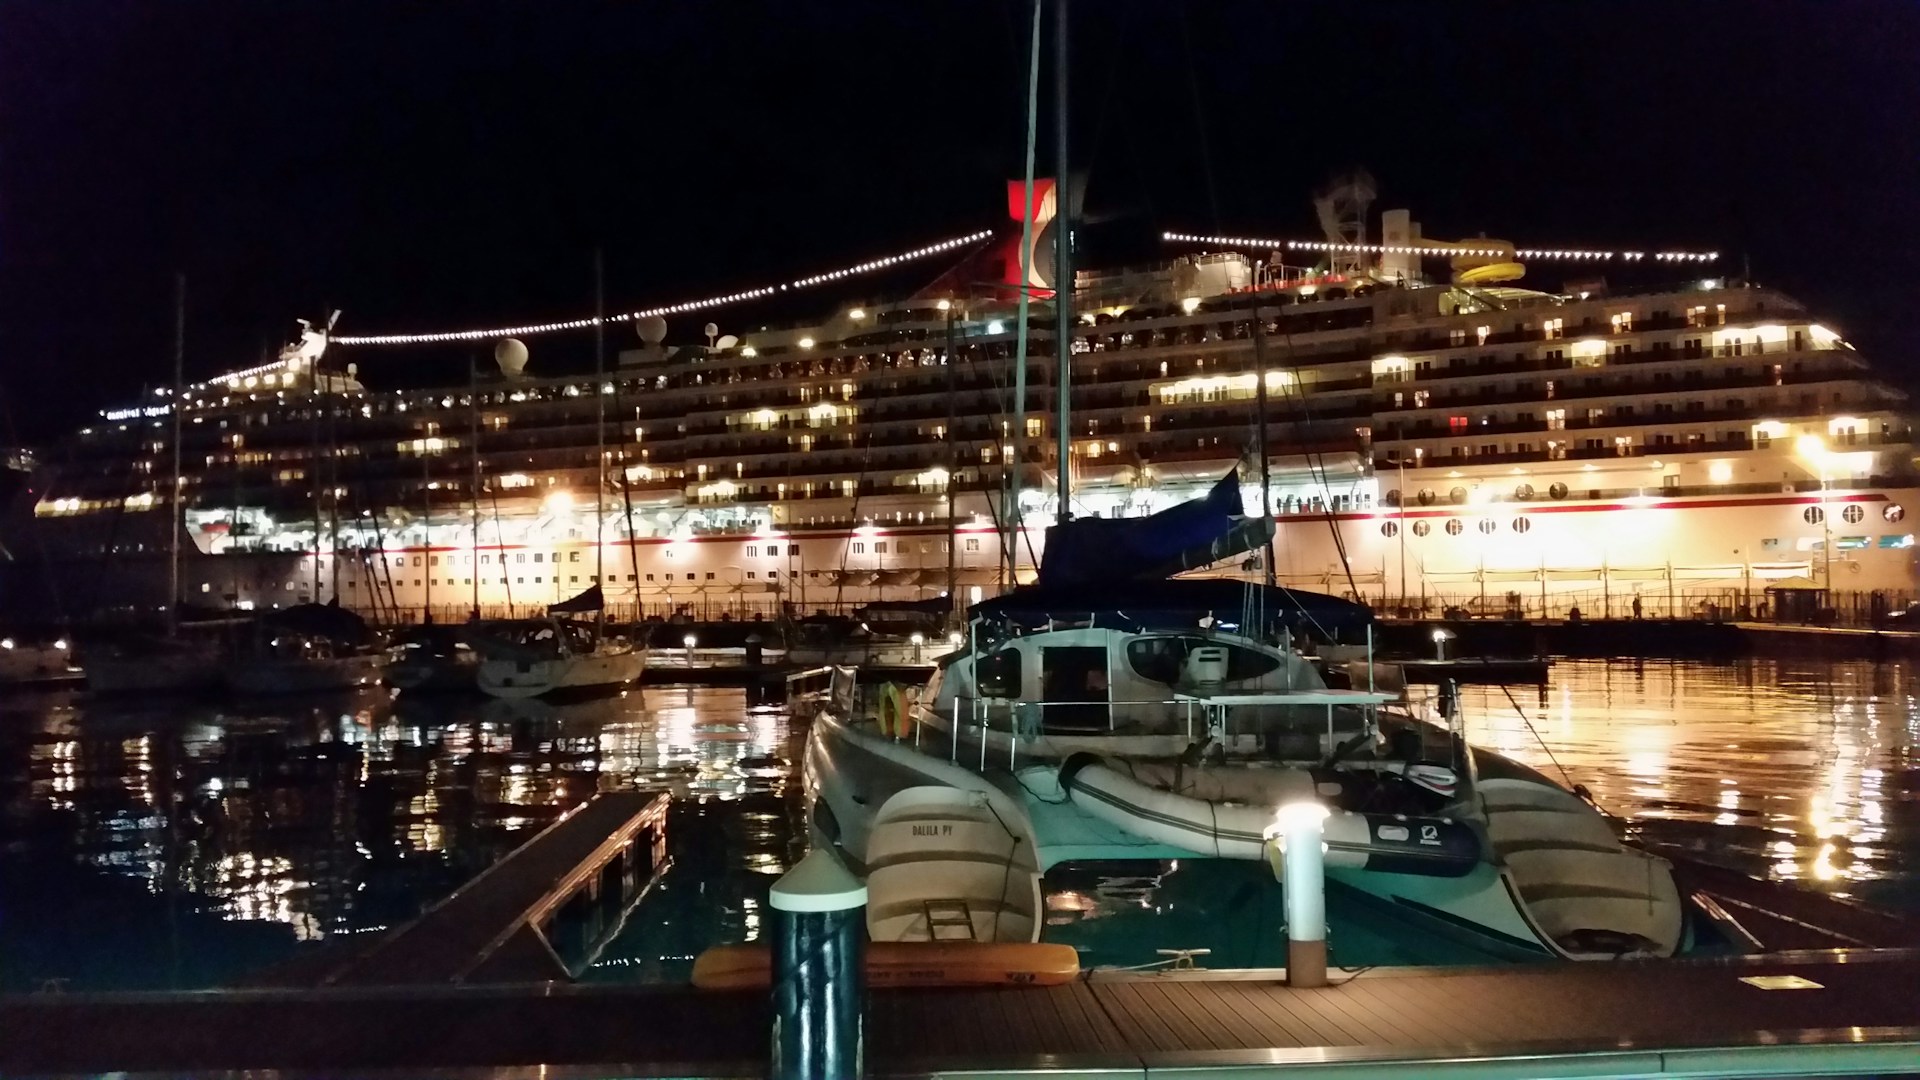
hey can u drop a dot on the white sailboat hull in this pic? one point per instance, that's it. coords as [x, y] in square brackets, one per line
[610, 669]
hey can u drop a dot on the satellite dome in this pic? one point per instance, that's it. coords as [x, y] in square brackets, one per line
[511, 355]
[727, 341]
[652, 329]
[712, 330]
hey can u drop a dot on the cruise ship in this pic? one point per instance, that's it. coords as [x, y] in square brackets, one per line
[1449, 427]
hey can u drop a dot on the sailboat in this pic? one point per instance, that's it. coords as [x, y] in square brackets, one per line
[527, 658]
[1114, 712]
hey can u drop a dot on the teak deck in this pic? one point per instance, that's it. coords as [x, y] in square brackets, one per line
[1679, 1017]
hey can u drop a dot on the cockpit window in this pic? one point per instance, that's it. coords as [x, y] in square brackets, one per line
[1164, 659]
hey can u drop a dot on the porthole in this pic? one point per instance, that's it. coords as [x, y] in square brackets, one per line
[1388, 528]
[1558, 491]
[1813, 515]
[1421, 528]
[1893, 512]
[1487, 526]
[1391, 497]
[1521, 524]
[1458, 495]
[1853, 514]
[1523, 492]
[1454, 527]
[1426, 496]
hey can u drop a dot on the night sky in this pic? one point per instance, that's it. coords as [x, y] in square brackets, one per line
[434, 166]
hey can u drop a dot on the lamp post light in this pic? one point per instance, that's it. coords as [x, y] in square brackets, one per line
[918, 640]
[1298, 834]
[688, 642]
[1440, 639]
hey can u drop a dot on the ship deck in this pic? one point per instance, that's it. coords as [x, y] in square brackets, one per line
[1831, 1013]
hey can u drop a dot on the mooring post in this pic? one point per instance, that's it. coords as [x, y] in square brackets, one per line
[819, 971]
[1299, 826]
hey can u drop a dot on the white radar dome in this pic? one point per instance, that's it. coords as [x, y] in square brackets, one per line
[652, 329]
[727, 341]
[511, 355]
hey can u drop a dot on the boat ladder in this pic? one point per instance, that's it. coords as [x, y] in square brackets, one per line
[953, 915]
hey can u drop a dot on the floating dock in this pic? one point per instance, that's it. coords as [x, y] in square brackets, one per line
[1792, 1014]
[538, 914]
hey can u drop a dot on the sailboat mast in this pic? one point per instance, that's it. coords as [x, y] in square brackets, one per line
[1260, 416]
[1011, 516]
[177, 516]
[953, 467]
[599, 437]
[1062, 267]
[473, 452]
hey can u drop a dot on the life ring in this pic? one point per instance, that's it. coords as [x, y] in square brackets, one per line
[895, 721]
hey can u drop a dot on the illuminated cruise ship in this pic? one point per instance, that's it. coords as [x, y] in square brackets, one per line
[1439, 436]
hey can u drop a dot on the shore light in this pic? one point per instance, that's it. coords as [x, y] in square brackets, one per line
[1299, 829]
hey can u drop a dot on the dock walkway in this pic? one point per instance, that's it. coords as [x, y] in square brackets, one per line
[492, 928]
[1834, 1013]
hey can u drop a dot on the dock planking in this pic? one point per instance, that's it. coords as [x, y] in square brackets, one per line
[1857, 1010]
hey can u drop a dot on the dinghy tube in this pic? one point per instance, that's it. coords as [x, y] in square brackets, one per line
[1383, 843]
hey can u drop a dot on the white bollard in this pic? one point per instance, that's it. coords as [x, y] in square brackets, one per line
[1298, 828]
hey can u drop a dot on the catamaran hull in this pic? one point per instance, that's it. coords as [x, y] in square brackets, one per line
[431, 676]
[583, 674]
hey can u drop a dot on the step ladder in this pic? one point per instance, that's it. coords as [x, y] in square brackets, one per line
[948, 915]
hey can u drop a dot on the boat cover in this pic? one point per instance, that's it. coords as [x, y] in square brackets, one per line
[1187, 536]
[329, 621]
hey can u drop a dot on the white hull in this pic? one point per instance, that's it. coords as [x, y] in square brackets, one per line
[607, 669]
[29, 664]
[302, 676]
[1556, 849]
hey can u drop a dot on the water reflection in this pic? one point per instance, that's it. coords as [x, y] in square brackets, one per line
[1797, 770]
[185, 845]
[302, 820]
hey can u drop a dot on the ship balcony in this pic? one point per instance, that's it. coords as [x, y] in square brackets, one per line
[1427, 431]
[1821, 383]
[1463, 457]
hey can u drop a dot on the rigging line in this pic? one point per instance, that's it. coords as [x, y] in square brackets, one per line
[1528, 720]
[500, 541]
[1316, 463]
[1199, 117]
[1023, 331]
[846, 546]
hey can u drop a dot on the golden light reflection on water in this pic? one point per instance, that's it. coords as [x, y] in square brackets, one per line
[300, 814]
[1799, 770]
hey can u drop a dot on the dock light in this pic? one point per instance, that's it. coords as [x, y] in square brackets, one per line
[918, 639]
[6, 643]
[954, 638]
[688, 643]
[1440, 639]
[1300, 863]
[60, 643]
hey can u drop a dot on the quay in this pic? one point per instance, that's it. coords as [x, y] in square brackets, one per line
[1674, 639]
[1790, 1014]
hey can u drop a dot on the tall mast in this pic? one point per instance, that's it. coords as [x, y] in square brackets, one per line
[426, 528]
[1260, 412]
[599, 438]
[1062, 266]
[473, 452]
[1019, 440]
[177, 520]
[953, 465]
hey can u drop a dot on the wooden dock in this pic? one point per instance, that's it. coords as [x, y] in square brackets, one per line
[597, 859]
[1791, 1014]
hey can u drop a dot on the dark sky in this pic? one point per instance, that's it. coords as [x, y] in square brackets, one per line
[434, 165]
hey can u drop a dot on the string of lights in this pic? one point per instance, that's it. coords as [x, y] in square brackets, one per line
[1446, 250]
[482, 334]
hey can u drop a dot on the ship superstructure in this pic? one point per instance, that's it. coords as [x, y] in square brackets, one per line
[1436, 440]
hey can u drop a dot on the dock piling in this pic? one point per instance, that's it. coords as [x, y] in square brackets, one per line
[1298, 826]
[819, 972]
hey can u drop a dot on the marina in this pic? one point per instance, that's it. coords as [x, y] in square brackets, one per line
[676, 616]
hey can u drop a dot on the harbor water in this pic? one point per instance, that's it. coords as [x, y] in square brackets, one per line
[179, 845]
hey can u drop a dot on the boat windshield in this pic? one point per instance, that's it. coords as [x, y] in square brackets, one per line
[1164, 659]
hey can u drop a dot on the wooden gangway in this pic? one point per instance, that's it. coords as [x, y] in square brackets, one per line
[1791, 1014]
[498, 927]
